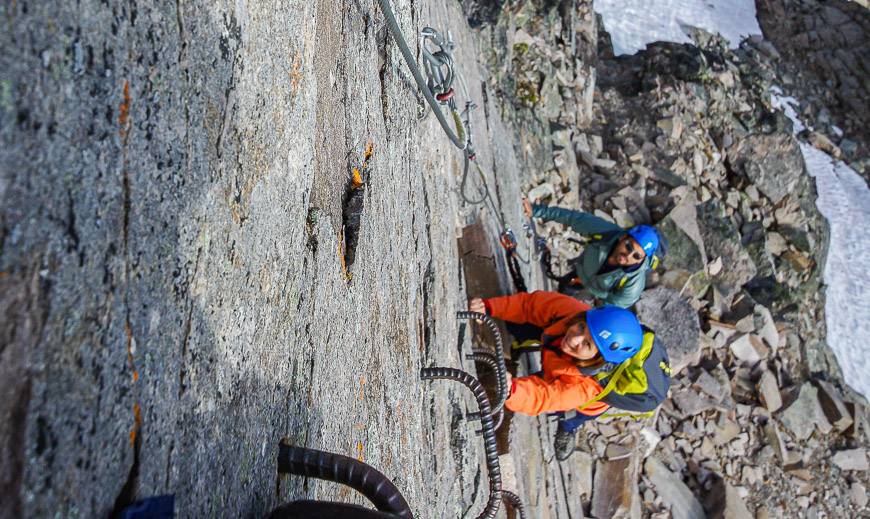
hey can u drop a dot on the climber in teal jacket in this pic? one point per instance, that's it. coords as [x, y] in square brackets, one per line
[614, 263]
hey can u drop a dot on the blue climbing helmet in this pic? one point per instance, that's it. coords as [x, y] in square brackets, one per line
[616, 332]
[646, 237]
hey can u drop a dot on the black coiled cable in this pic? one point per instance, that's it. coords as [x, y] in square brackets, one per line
[501, 370]
[486, 357]
[515, 502]
[376, 487]
[489, 442]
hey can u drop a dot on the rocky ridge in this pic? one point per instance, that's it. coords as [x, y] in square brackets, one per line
[684, 136]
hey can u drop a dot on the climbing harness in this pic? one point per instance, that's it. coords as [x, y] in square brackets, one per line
[438, 62]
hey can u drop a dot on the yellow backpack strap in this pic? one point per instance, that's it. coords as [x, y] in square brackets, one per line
[609, 387]
[622, 282]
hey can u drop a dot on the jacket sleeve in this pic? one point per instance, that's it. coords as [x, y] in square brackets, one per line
[533, 395]
[629, 293]
[583, 223]
[538, 308]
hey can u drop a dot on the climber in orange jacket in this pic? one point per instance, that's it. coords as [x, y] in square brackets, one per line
[577, 342]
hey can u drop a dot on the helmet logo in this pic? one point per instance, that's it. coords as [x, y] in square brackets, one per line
[604, 334]
[648, 246]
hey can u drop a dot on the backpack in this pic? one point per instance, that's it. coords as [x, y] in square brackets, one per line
[640, 383]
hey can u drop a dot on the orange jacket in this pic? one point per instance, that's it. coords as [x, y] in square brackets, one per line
[562, 386]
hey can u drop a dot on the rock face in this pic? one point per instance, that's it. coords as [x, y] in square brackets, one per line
[174, 302]
[181, 288]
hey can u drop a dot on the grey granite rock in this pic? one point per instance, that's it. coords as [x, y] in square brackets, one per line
[674, 321]
[805, 414]
[673, 492]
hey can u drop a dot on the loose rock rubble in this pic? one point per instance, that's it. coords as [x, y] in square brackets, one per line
[759, 423]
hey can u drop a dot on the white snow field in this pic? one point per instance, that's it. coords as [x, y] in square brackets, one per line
[634, 23]
[844, 198]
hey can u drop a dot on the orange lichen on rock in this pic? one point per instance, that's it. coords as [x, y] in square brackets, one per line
[137, 422]
[124, 111]
[356, 180]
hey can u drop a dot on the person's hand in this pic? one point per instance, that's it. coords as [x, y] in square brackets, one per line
[476, 305]
[527, 207]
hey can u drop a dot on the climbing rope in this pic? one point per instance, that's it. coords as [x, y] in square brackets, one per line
[438, 63]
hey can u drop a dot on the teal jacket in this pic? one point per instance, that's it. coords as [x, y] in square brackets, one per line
[604, 236]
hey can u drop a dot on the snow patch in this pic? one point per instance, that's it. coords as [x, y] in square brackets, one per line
[844, 200]
[787, 105]
[633, 24]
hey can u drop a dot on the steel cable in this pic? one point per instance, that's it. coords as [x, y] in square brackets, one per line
[458, 138]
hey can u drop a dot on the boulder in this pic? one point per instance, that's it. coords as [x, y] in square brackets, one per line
[858, 493]
[833, 406]
[766, 327]
[805, 414]
[788, 459]
[685, 245]
[675, 323]
[772, 162]
[673, 492]
[725, 502]
[768, 392]
[615, 491]
[691, 403]
[851, 459]
[744, 347]
[709, 385]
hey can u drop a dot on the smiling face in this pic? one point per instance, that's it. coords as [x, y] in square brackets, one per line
[626, 253]
[578, 342]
